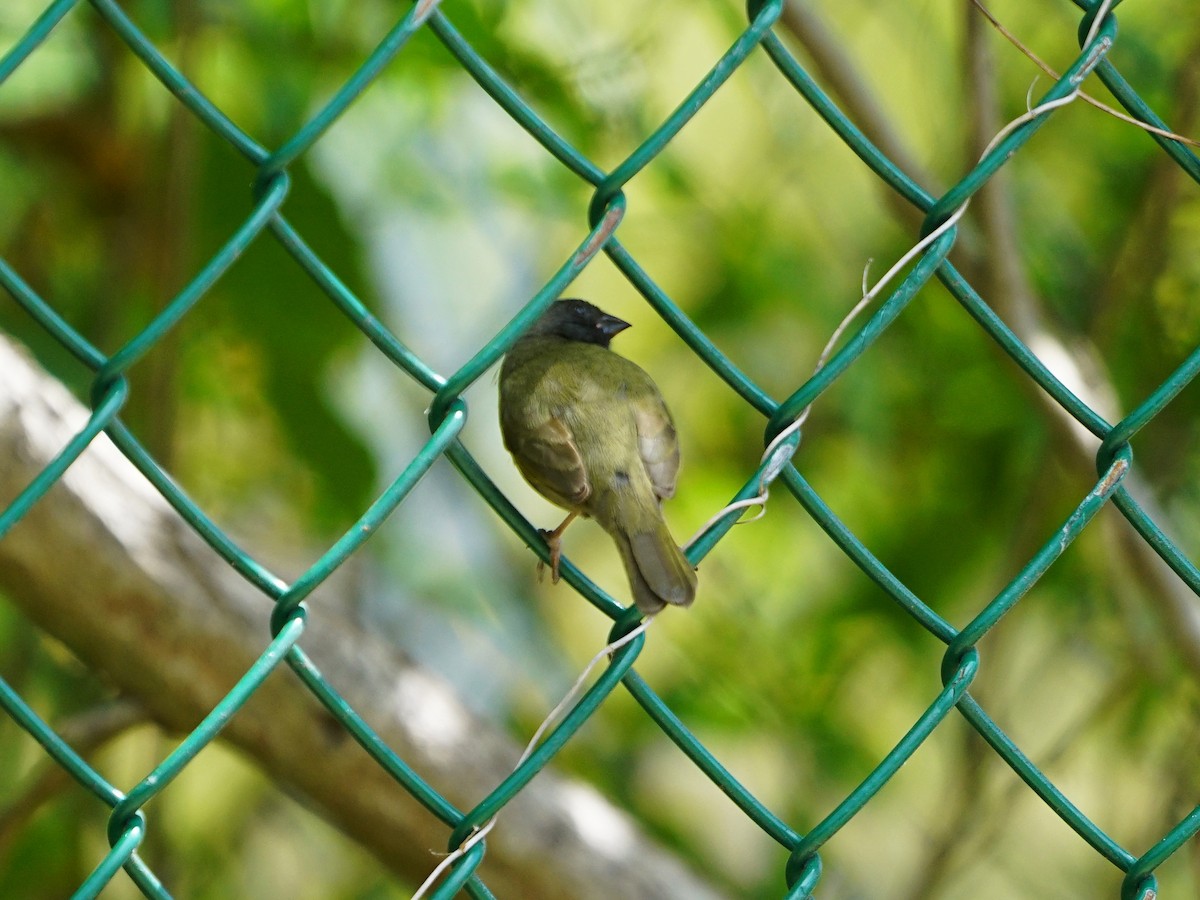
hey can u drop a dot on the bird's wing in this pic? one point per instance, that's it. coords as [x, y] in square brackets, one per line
[549, 459]
[657, 444]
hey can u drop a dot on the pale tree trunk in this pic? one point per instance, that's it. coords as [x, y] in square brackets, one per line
[106, 566]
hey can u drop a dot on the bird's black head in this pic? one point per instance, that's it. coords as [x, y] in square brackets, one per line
[578, 320]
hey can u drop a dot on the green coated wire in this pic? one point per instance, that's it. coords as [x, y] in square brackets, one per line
[621, 662]
[858, 552]
[58, 749]
[462, 869]
[1122, 433]
[1154, 537]
[653, 145]
[995, 327]
[105, 412]
[768, 470]
[696, 339]
[383, 54]
[121, 852]
[945, 701]
[511, 102]
[203, 734]
[33, 38]
[177, 84]
[370, 521]
[51, 321]
[675, 729]
[369, 740]
[1160, 852]
[1050, 551]
[239, 560]
[1067, 84]
[1028, 772]
[466, 465]
[264, 210]
[491, 352]
[921, 273]
[344, 299]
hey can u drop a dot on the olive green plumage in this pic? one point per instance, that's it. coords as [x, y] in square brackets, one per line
[590, 431]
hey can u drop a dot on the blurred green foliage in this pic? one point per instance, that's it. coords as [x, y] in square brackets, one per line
[268, 407]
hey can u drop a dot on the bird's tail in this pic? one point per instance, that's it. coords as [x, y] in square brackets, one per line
[658, 571]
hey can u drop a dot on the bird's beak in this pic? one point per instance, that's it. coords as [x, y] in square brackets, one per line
[610, 325]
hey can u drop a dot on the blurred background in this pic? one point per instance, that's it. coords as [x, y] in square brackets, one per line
[283, 422]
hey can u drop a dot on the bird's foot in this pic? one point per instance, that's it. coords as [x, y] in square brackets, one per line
[553, 540]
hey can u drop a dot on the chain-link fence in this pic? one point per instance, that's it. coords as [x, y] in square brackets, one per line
[448, 415]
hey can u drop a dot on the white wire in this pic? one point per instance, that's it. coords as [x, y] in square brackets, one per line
[554, 716]
[771, 471]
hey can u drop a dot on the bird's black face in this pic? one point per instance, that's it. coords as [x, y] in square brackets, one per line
[578, 320]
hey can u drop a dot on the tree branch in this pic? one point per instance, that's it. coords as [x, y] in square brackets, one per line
[105, 565]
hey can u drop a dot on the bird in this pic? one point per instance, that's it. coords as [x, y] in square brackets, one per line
[590, 431]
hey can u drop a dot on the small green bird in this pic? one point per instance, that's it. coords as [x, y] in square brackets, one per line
[590, 431]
